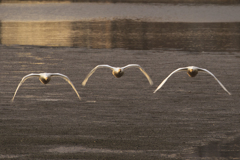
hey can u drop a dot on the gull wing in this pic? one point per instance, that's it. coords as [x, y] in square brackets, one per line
[205, 70]
[68, 80]
[164, 81]
[93, 70]
[23, 80]
[141, 69]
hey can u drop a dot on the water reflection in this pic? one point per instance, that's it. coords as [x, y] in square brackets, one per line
[127, 34]
[40, 33]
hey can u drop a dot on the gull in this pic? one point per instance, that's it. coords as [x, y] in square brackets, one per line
[45, 78]
[192, 71]
[117, 71]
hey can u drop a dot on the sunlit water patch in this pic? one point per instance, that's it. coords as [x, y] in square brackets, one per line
[127, 34]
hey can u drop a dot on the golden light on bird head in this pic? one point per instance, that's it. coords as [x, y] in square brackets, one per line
[117, 72]
[192, 72]
[44, 79]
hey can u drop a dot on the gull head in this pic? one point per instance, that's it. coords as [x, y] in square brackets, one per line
[192, 71]
[117, 72]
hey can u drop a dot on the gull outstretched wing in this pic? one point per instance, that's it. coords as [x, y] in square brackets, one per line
[93, 70]
[23, 80]
[164, 81]
[68, 80]
[207, 71]
[141, 69]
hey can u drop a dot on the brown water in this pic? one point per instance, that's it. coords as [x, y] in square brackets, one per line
[118, 118]
[226, 149]
[126, 34]
[189, 118]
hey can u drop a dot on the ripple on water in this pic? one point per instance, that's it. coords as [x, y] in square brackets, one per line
[75, 149]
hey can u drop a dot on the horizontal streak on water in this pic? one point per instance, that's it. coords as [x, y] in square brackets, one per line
[127, 34]
[128, 1]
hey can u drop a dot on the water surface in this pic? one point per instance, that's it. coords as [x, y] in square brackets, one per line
[119, 118]
[127, 34]
[112, 11]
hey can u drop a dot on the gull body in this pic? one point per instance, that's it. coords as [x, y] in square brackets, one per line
[192, 71]
[45, 78]
[117, 71]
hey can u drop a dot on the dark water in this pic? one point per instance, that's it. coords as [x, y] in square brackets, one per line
[124, 123]
[126, 34]
[219, 149]
[118, 118]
